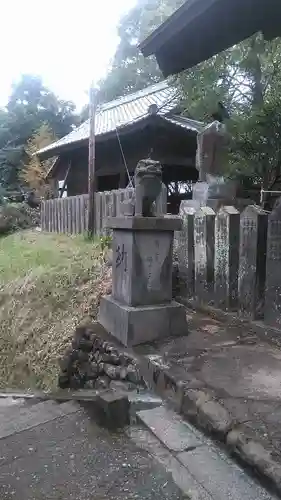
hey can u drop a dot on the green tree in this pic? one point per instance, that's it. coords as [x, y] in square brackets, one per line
[256, 152]
[247, 78]
[236, 76]
[30, 105]
[34, 171]
[130, 70]
[257, 131]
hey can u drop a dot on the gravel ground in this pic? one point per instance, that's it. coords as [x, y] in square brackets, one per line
[72, 458]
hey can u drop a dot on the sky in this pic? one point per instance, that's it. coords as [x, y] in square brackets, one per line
[70, 43]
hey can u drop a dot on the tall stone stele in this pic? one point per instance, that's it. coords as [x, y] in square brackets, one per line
[141, 308]
[213, 189]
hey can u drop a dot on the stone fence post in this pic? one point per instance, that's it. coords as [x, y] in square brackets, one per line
[226, 258]
[272, 313]
[185, 250]
[161, 202]
[252, 267]
[204, 241]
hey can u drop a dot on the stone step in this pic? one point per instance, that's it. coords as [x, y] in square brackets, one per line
[220, 476]
[20, 417]
[143, 401]
[9, 405]
[23, 394]
[172, 431]
[199, 467]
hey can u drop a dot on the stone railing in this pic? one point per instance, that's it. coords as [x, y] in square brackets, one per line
[231, 260]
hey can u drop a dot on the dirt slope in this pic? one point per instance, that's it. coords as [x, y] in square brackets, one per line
[48, 284]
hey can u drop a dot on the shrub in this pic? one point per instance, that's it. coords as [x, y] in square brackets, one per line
[17, 216]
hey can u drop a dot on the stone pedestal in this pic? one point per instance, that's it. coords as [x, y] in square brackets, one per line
[214, 194]
[140, 308]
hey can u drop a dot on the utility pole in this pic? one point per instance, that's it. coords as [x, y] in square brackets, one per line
[92, 187]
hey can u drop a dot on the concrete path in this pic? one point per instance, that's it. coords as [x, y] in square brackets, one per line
[71, 458]
[230, 385]
[197, 465]
[55, 451]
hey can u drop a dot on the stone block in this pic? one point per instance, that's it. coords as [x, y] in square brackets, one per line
[192, 400]
[85, 345]
[225, 190]
[226, 258]
[200, 192]
[204, 240]
[152, 367]
[122, 385]
[142, 267]
[63, 381]
[172, 431]
[138, 223]
[217, 203]
[242, 203]
[138, 325]
[113, 409]
[272, 313]
[220, 476]
[102, 383]
[252, 267]
[142, 259]
[213, 417]
[238, 203]
[161, 201]
[185, 250]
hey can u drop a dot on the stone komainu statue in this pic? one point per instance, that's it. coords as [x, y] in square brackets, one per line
[148, 185]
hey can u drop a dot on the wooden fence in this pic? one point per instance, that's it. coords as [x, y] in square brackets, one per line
[65, 215]
[70, 215]
[232, 260]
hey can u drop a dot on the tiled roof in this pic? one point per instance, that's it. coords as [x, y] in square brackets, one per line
[185, 122]
[122, 112]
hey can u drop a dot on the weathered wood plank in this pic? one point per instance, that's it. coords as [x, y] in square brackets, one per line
[42, 216]
[70, 215]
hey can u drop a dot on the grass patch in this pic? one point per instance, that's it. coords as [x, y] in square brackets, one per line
[48, 283]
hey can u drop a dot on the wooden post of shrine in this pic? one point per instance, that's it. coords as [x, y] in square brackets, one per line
[92, 186]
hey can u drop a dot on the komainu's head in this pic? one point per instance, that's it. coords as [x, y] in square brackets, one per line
[148, 168]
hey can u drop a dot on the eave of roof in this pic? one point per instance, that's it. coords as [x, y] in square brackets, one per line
[203, 28]
[122, 114]
[190, 127]
[174, 24]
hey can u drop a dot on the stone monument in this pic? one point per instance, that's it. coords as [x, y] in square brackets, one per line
[141, 308]
[213, 189]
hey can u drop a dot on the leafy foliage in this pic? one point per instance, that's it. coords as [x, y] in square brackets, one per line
[17, 216]
[241, 77]
[246, 78]
[35, 170]
[105, 242]
[30, 105]
[130, 70]
[257, 145]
